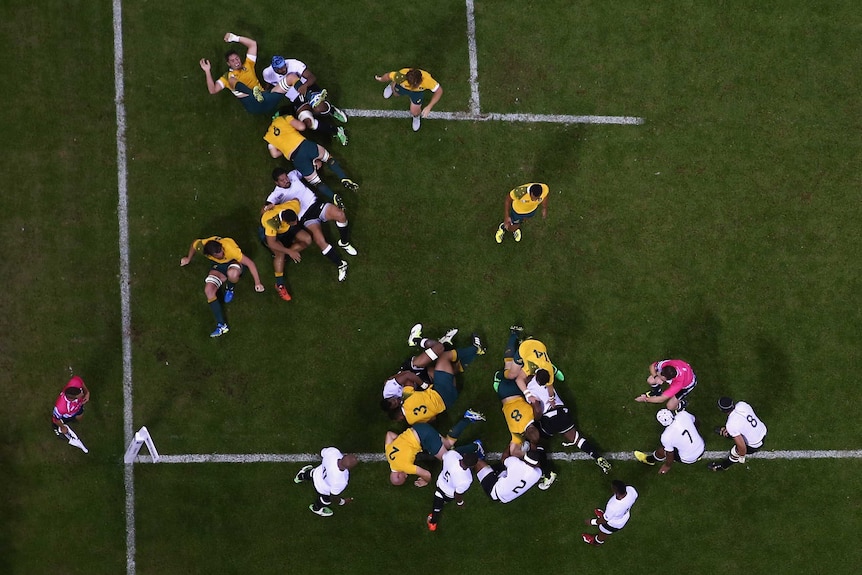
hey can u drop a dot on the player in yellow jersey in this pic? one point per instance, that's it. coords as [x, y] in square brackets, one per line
[281, 232]
[524, 357]
[519, 414]
[401, 450]
[227, 265]
[521, 203]
[412, 82]
[284, 138]
[241, 79]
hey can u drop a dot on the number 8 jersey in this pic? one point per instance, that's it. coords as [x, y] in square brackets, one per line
[743, 421]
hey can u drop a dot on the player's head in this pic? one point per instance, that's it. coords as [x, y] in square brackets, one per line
[414, 77]
[277, 174]
[213, 248]
[535, 191]
[543, 377]
[725, 404]
[664, 416]
[619, 487]
[73, 392]
[469, 460]
[349, 461]
[668, 372]
[390, 403]
[234, 62]
[397, 477]
[288, 216]
[279, 65]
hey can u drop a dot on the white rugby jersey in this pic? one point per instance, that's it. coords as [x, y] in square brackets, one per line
[515, 480]
[328, 478]
[617, 510]
[743, 421]
[682, 435]
[296, 191]
[453, 479]
[541, 392]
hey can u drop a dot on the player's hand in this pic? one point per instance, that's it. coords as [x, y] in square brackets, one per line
[664, 469]
[346, 500]
[64, 429]
[378, 78]
[425, 112]
[294, 255]
[184, 261]
[420, 482]
[641, 398]
[258, 288]
[205, 65]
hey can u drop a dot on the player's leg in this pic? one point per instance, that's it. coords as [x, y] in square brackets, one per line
[332, 212]
[572, 437]
[325, 157]
[212, 283]
[278, 266]
[234, 271]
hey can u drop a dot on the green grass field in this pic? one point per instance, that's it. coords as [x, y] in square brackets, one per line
[723, 230]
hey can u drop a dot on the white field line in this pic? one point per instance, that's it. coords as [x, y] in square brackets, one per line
[125, 300]
[563, 456]
[474, 59]
[477, 117]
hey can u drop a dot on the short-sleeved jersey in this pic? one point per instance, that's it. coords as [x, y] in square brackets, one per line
[401, 453]
[515, 480]
[297, 190]
[743, 421]
[232, 253]
[428, 83]
[683, 436]
[65, 408]
[453, 478]
[271, 221]
[684, 376]
[270, 76]
[246, 75]
[518, 414]
[283, 136]
[617, 511]
[541, 393]
[328, 478]
[533, 356]
[523, 202]
[421, 406]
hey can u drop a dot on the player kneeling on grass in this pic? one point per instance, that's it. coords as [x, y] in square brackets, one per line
[453, 482]
[680, 439]
[227, 266]
[512, 477]
[615, 515]
[746, 429]
[330, 479]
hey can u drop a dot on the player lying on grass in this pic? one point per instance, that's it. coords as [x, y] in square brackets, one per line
[401, 450]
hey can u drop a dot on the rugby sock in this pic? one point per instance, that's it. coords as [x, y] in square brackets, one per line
[326, 191]
[586, 446]
[335, 167]
[511, 345]
[343, 232]
[279, 278]
[652, 456]
[215, 307]
[467, 354]
[456, 432]
[438, 508]
[465, 449]
[332, 255]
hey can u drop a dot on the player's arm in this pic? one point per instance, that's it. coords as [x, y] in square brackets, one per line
[213, 86]
[385, 78]
[86, 397]
[507, 218]
[251, 45]
[644, 398]
[434, 99]
[309, 79]
[404, 378]
[670, 456]
[273, 151]
[185, 261]
[297, 125]
[545, 206]
[424, 477]
[247, 262]
[741, 448]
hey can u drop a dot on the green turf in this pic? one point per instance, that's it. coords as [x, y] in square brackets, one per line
[723, 230]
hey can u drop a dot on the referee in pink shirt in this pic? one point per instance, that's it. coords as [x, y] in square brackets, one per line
[69, 405]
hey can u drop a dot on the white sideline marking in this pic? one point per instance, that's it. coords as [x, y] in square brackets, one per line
[477, 117]
[125, 300]
[561, 456]
[474, 59]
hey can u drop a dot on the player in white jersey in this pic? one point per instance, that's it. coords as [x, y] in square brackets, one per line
[454, 480]
[300, 86]
[615, 514]
[312, 214]
[557, 420]
[680, 440]
[330, 479]
[746, 429]
[516, 477]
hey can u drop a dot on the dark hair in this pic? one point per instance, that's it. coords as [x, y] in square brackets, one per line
[212, 248]
[543, 376]
[535, 190]
[668, 372]
[229, 53]
[276, 173]
[385, 405]
[414, 77]
[73, 391]
[725, 403]
[470, 459]
[619, 486]
[288, 216]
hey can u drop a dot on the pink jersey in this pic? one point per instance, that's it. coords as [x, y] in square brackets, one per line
[65, 408]
[684, 379]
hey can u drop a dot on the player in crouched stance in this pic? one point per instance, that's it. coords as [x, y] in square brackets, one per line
[330, 479]
[746, 429]
[614, 516]
[679, 439]
[227, 265]
[515, 478]
[454, 480]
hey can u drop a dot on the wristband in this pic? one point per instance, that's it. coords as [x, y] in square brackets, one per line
[231, 37]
